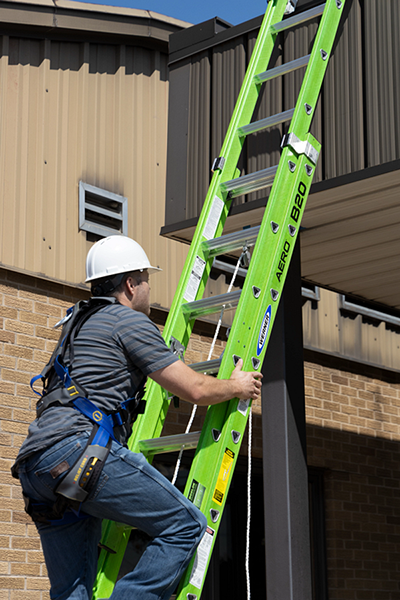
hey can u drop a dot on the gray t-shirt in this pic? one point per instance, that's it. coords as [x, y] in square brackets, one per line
[115, 350]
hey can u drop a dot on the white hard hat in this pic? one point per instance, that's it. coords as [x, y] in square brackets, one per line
[116, 254]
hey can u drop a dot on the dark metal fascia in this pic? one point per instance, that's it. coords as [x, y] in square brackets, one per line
[381, 169]
[216, 39]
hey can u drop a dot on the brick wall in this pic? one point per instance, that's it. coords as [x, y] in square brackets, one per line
[353, 435]
[28, 310]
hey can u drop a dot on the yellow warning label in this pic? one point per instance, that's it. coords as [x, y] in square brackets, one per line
[223, 476]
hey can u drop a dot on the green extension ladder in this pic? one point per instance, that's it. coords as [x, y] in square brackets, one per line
[256, 304]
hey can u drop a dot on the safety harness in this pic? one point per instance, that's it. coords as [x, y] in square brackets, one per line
[59, 389]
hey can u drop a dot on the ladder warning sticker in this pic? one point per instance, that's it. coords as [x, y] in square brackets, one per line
[223, 476]
[213, 218]
[195, 279]
[201, 559]
[243, 405]
[196, 493]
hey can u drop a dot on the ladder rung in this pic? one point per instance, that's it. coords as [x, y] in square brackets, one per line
[209, 367]
[265, 123]
[282, 69]
[207, 306]
[250, 183]
[230, 242]
[170, 443]
[297, 19]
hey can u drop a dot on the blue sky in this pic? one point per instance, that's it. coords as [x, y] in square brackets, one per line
[233, 11]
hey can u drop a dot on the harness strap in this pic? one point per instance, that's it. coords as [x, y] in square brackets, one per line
[96, 415]
[33, 381]
[62, 372]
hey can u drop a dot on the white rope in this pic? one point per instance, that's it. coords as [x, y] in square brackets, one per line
[178, 462]
[218, 327]
[247, 564]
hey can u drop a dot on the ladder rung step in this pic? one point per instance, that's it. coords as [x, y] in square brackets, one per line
[209, 367]
[282, 69]
[250, 183]
[228, 268]
[231, 242]
[207, 306]
[170, 443]
[265, 123]
[297, 19]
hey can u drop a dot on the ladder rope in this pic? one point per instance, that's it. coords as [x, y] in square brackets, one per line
[218, 327]
[247, 563]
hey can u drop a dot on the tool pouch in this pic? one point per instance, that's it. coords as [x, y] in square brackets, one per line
[83, 476]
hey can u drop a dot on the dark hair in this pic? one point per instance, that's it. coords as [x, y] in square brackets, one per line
[110, 286]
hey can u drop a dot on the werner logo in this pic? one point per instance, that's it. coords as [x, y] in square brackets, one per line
[264, 330]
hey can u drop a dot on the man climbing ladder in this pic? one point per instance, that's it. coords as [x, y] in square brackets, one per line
[257, 303]
[74, 467]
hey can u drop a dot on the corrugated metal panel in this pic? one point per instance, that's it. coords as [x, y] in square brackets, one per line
[228, 70]
[357, 118]
[342, 133]
[382, 88]
[74, 111]
[328, 329]
[198, 163]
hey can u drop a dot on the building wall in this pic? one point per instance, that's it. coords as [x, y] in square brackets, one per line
[353, 417]
[82, 106]
[353, 423]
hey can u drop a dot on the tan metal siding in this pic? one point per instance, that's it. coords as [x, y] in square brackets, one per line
[328, 329]
[74, 111]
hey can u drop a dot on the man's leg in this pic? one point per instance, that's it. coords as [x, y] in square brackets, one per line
[70, 551]
[135, 493]
[71, 557]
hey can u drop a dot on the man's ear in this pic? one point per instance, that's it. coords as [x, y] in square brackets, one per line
[130, 286]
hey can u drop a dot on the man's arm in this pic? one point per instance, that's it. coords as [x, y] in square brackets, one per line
[182, 381]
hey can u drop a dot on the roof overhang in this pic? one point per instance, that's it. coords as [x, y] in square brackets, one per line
[350, 237]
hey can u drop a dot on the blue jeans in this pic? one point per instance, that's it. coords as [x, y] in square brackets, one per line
[129, 491]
